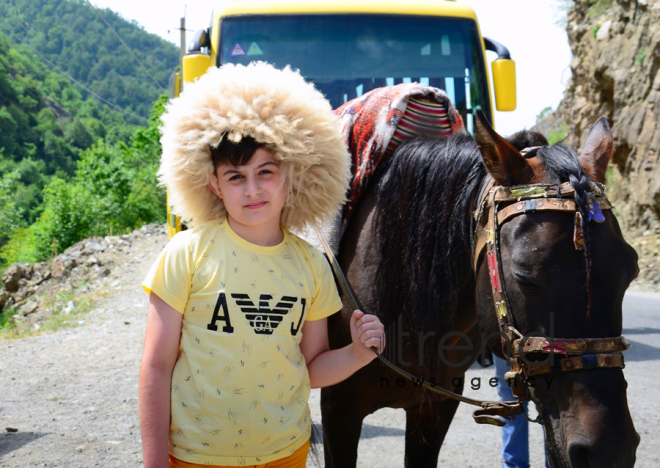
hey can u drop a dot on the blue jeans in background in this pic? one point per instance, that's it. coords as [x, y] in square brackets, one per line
[515, 435]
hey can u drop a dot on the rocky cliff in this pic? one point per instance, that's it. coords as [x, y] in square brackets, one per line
[616, 73]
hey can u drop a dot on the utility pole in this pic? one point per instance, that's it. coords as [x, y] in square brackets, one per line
[183, 51]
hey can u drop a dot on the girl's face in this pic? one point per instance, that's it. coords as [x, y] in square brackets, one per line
[254, 196]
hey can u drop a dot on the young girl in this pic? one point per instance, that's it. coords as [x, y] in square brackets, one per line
[236, 332]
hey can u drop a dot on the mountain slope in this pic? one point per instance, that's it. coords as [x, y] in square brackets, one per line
[70, 34]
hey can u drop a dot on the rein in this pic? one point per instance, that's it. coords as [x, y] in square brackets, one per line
[495, 206]
[489, 409]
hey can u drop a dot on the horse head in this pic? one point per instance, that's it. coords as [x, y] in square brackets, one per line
[560, 274]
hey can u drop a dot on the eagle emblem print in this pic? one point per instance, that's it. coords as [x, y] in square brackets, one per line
[263, 319]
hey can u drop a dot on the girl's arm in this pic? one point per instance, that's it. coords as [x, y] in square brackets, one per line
[161, 349]
[327, 367]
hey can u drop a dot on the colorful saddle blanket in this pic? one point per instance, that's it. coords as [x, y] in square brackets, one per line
[376, 123]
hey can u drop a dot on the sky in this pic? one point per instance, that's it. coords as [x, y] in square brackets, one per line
[527, 28]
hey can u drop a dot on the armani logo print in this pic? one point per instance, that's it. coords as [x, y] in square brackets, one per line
[264, 318]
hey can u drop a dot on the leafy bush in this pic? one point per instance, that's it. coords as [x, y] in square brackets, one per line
[114, 188]
[557, 136]
[11, 214]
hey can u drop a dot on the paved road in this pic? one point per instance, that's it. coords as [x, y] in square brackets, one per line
[470, 445]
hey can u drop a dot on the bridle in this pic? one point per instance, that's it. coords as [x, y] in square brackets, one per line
[495, 205]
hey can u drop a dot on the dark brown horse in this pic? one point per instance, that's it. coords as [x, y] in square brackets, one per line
[408, 253]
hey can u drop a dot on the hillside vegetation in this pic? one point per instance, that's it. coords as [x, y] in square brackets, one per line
[70, 34]
[71, 166]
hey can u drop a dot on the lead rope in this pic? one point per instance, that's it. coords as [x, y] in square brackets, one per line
[490, 410]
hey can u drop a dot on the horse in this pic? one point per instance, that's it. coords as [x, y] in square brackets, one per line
[412, 256]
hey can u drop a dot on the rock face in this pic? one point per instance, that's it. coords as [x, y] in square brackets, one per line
[616, 73]
[13, 276]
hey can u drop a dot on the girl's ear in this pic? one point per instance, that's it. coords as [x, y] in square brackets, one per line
[214, 186]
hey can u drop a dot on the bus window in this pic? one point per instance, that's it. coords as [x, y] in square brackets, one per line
[349, 55]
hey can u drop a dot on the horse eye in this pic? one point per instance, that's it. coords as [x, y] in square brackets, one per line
[525, 280]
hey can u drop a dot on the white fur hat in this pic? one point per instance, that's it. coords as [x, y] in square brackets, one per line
[275, 107]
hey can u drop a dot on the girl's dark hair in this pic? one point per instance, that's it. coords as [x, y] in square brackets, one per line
[236, 154]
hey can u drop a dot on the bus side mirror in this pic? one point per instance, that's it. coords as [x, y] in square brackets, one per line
[200, 40]
[504, 83]
[504, 76]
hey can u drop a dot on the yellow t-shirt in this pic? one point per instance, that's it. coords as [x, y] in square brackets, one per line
[240, 384]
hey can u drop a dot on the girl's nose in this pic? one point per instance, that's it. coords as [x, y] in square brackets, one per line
[252, 187]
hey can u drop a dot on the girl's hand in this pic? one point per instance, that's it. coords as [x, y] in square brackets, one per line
[366, 332]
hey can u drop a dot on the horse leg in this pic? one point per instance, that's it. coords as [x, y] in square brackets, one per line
[342, 414]
[426, 428]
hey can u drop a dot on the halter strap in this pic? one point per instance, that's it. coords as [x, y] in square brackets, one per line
[501, 205]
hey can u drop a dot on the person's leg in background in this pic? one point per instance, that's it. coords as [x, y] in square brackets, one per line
[515, 434]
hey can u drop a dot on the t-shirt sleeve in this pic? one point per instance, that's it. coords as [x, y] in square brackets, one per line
[169, 277]
[327, 300]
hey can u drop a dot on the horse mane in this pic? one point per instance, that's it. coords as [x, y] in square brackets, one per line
[527, 139]
[425, 195]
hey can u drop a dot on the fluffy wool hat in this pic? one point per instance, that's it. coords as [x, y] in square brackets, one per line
[275, 107]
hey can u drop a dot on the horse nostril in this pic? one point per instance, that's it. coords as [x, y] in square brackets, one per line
[579, 454]
[620, 453]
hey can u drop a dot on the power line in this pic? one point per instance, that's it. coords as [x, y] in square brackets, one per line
[70, 77]
[127, 48]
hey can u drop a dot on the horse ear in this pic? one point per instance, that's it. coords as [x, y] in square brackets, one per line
[597, 151]
[501, 158]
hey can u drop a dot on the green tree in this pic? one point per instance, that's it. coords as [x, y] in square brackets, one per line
[114, 188]
[11, 214]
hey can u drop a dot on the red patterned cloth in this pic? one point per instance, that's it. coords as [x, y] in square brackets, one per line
[374, 125]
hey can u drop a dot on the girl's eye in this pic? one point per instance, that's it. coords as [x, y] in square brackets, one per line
[236, 177]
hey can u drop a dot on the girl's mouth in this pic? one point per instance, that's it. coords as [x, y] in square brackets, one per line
[255, 206]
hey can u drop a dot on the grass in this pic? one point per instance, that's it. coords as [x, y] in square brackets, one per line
[556, 136]
[595, 30]
[83, 303]
[598, 7]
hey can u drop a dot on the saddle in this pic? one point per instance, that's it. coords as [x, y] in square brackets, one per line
[376, 123]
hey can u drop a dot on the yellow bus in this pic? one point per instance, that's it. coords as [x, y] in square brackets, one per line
[349, 47]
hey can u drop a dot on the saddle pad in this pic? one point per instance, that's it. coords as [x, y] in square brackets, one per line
[376, 123]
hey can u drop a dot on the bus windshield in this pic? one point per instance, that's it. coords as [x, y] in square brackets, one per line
[347, 55]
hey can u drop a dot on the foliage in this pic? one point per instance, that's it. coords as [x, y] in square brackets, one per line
[561, 11]
[71, 34]
[556, 136]
[114, 188]
[544, 113]
[598, 7]
[595, 30]
[46, 124]
[639, 58]
[11, 214]
[70, 165]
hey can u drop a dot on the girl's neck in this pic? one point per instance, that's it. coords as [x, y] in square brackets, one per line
[269, 236]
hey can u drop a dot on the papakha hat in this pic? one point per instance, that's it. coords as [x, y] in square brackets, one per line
[275, 107]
